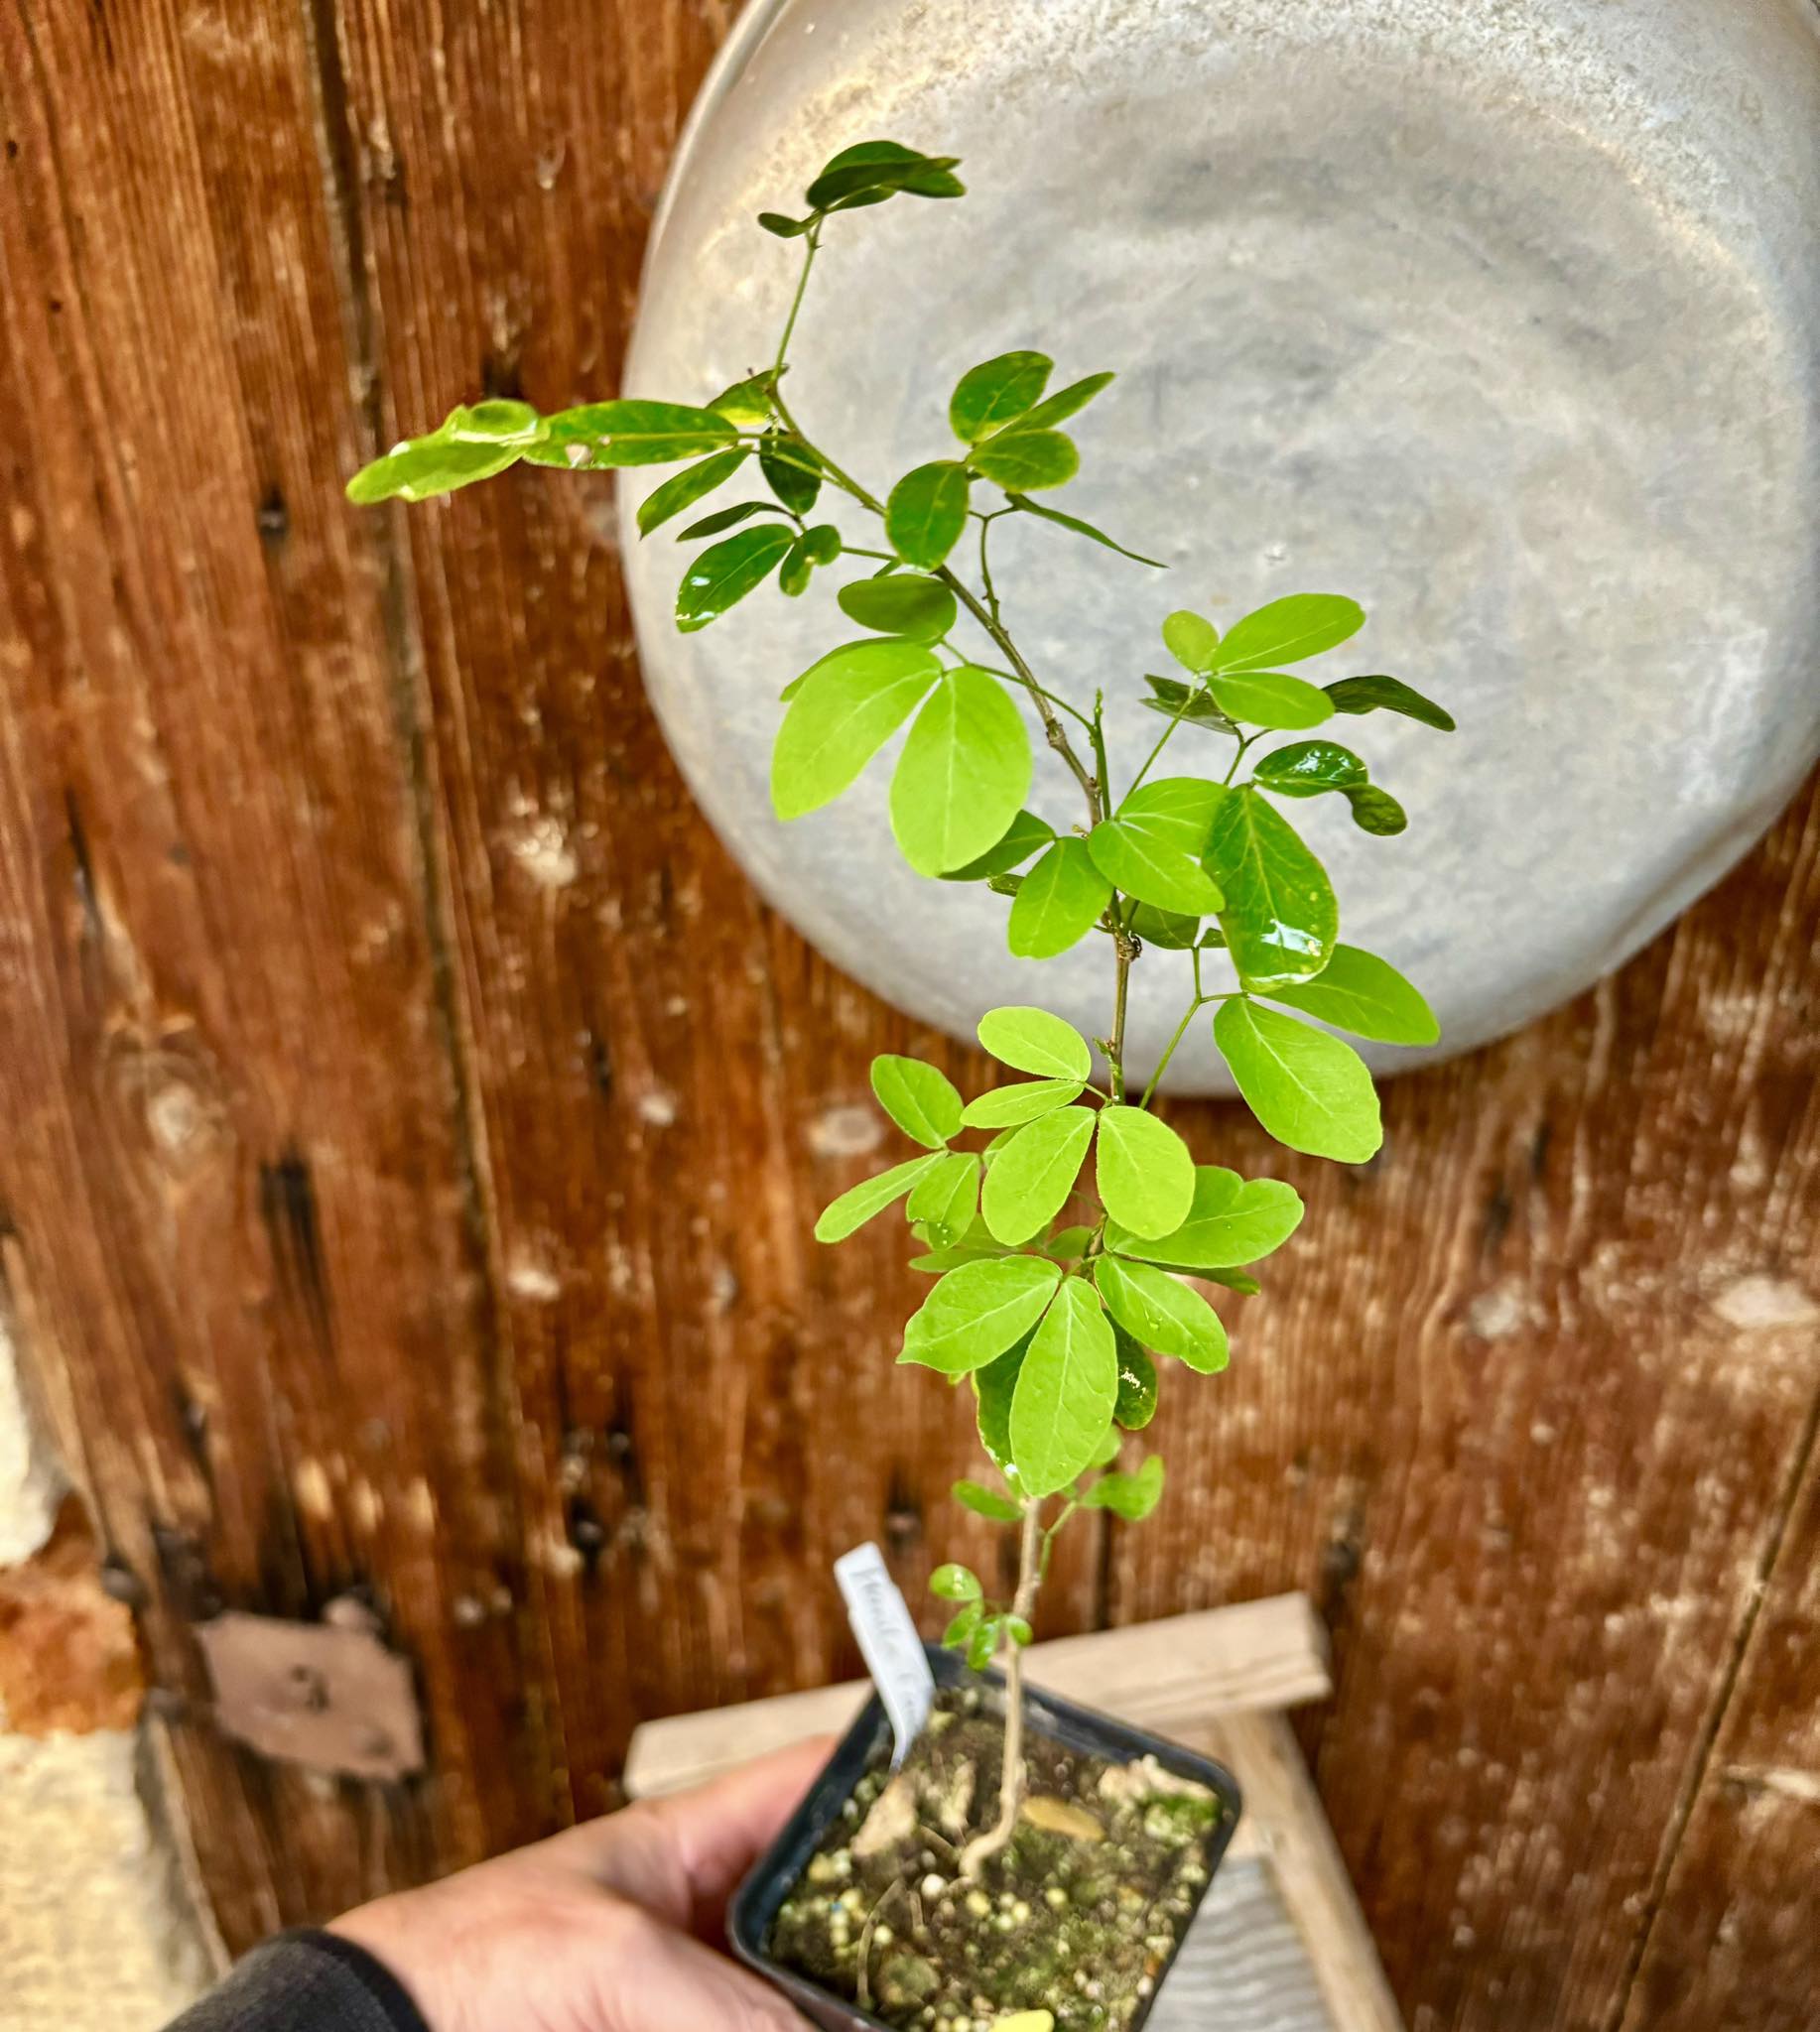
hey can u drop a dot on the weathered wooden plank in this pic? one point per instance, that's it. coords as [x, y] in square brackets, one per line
[233, 1179]
[1509, 1408]
[1168, 1676]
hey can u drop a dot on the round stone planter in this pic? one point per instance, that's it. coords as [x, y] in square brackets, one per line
[1504, 322]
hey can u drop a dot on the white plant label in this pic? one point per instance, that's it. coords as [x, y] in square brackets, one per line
[888, 1642]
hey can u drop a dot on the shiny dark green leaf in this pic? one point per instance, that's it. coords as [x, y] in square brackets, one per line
[1081, 527]
[1022, 837]
[1135, 1405]
[785, 228]
[1021, 461]
[927, 512]
[823, 543]
[900, 603]
[1376, 810]
[789, 467]
[1191, 705]
[880, 169]
[1387, 695]
[726, 572]
[1280, 918]
[993, 1388]
[726, 518]
[794, 572]
[1062, 899]
[992, 394]
[1304, 769]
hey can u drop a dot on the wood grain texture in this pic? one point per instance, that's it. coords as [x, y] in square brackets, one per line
[414, 1122]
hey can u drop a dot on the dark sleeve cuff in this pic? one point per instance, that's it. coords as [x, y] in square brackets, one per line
[306, 1982]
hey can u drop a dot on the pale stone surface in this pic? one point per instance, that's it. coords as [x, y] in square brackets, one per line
[1506, 320]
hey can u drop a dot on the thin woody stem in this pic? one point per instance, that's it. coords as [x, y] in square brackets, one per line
[983, 1848]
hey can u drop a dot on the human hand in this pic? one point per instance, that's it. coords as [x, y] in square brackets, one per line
[602, 1927]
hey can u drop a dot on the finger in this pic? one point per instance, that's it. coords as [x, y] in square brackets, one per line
[682, 1856]
[656, 1980]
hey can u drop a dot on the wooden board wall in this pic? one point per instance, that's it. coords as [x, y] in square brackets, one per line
[414, 1122]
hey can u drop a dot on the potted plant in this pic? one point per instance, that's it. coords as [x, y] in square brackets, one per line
[1030, 1866]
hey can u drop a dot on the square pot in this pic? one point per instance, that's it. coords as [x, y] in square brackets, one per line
[755, 1905]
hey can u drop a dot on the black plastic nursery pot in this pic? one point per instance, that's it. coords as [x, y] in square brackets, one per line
[753, 1912]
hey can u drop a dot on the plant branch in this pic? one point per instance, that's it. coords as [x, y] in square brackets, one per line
[983, 1848]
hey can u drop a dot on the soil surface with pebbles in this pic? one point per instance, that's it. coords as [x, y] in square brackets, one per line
[1069, 1926]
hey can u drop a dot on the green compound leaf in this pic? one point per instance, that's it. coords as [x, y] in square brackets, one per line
[1135, 1405]
[1064, 403]
[1068, 1244]
[976, 1312]
[1304, 769]
[848, 705]
[918, 1099]
[748, 402]
[983, 1645]
[1280, 918]
[1174, 930]
[855, 1207]
[902, 603]
[1310, 1090]
[724, 518]
[962, 1625]
[947, 1198]
[1021, 461]
[1154, 847]
[1033, 1041]
[1131, 1496]
[684, 490]
[1145, 1172]
[1065, 1393]
[1161, 1314]
[870, 171]
[985, 1502]
[991, 395]
[1034, 1172]
[726, 572]
[640, 432]
[1387, 695]
[1021, 838]
[785, 228]
[426, 466]
[1086, 529]
[955, 1583]
[927, 512]
[1288, 630]
[963, 774]
[1376, 810]
[1192, 640]
[1184, 703]
[1361, 993]
[794, 573]
[1231, 1221]
[1270, 698]
[789, 467]
[1061, 900]
[1007, 1107]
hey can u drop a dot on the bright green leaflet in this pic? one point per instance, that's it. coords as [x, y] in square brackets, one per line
[1152, 848]
[1179, 702]
[955, 1583]
[684, 490]
[1034, 1172]
[946, 1197]
[1192, 640]
[1033, 1041]
[1310, 1090]
[850, 706]
[903, 603]
[726, 572]
[1280, 918]
[988, 395]
[1022, 460]
[918, 1099]
[1288, 630]
[963, 774]
[427, 466]
[1271, 698]
[1062, 899]
[1065, 1393]
[853, 1208]
[1161, 1314]
[1231, 1221]
[1357, 991]
[1022, 837]
[1131, 1496]
[976, 1312]
[1063, 403]
[1086, 529]
[984, 1502]
[747, 402]
[1173, 930]
[927, 512]
[1145, 1172]
[640, 432]
[1006, 1107]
